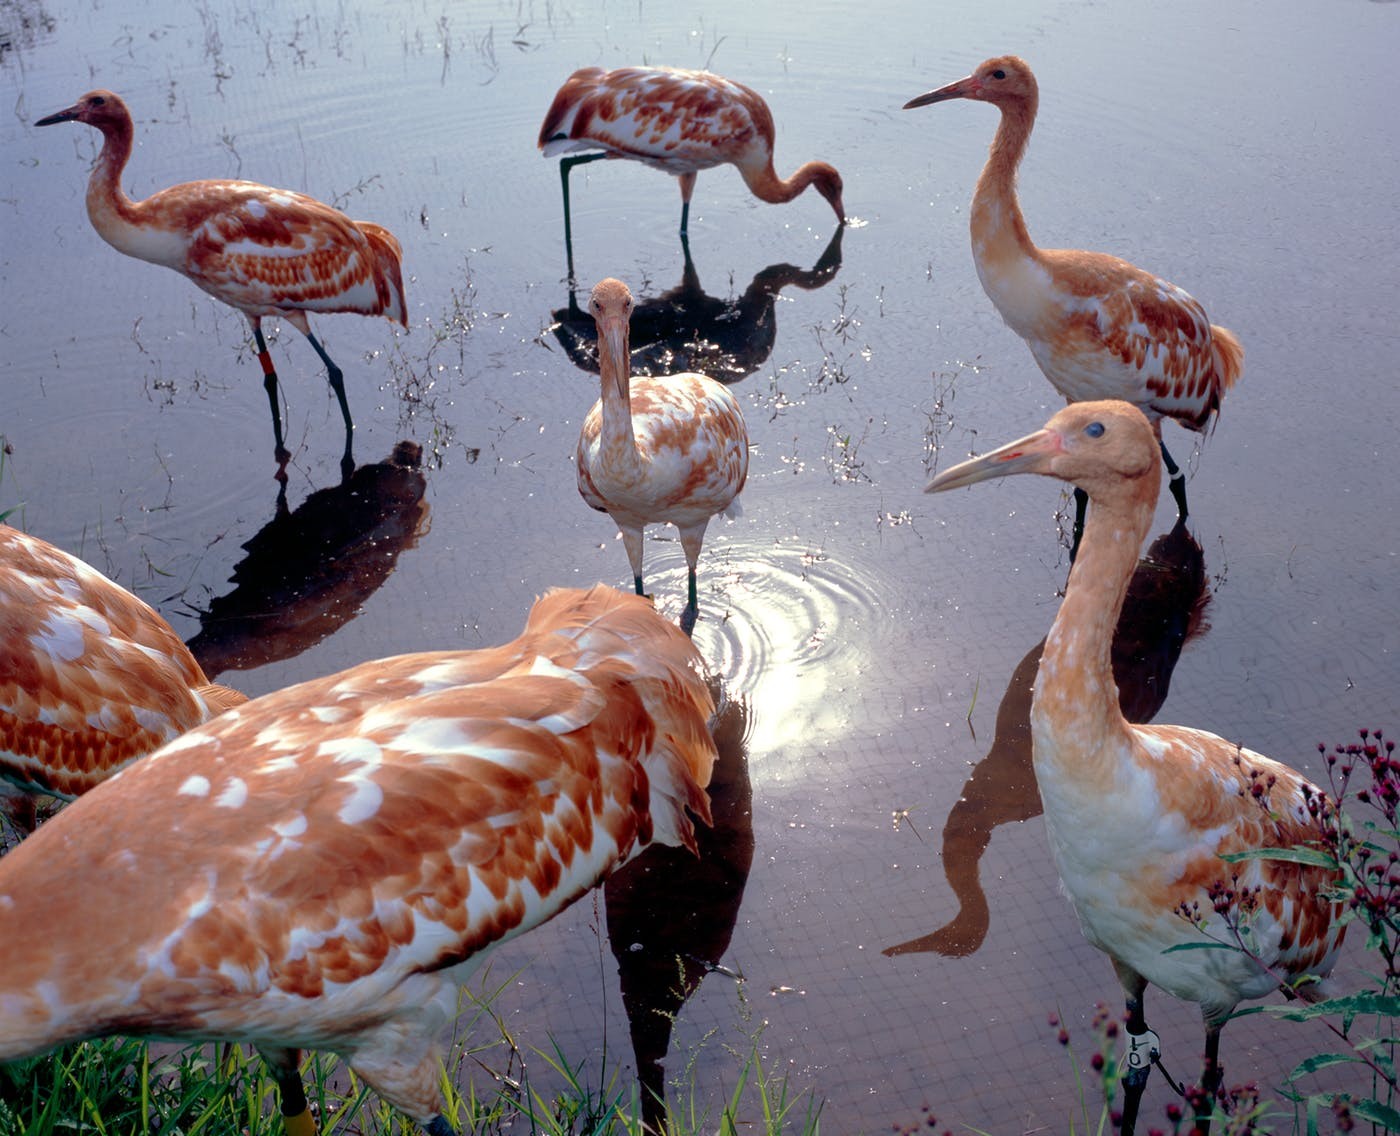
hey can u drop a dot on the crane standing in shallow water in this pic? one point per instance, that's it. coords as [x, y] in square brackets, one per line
[91, 678]
[679, 122]
[658, 450]
[1099, 327]
[333, 861]
[1139, 815]
[264, 251]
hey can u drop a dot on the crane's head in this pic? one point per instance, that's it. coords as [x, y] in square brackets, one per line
[1104, 448]
[101, 109]
[1004, 81]
[611, 307]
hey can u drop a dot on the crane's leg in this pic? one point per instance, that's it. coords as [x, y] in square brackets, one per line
[270, 385]
[1143, 1047]
[296, 1113]
[565, 165]
[1081, 506]
[1211, 1078]
[337, 381]
[691, 540]
[632, 541]
[687, 188]
[1177, 479]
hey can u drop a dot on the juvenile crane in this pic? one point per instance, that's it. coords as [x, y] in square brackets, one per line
[91, 678]
[264, 251]
[670, 450]
[1138, 815]
[1098, 326]
[334, 860]
[679, 122]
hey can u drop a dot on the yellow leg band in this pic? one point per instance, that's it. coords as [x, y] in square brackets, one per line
[302, 1124]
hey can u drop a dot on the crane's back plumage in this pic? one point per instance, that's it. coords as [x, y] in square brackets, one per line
[676, 121]
[91, 677]
[335, 858]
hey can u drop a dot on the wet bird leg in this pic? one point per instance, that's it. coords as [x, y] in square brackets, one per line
[565, 165]
[337, 381]
[1176, 479]
[270, 385]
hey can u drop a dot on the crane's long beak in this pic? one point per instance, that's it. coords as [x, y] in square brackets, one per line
[614, 359]
[60, 116]
[968, 88]
[1031, 454]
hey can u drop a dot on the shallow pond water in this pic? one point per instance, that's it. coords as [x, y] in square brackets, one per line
[873, 643]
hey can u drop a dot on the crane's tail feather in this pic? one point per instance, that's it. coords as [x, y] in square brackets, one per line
[1229, 356]
[388, 275]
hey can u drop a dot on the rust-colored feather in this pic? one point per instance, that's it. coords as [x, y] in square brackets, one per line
[91, 677]
[335, 858]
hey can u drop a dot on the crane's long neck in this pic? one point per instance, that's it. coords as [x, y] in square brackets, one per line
[765, 184]
[115, 216]
[1077, 723]
[618, 437]
[999, 234]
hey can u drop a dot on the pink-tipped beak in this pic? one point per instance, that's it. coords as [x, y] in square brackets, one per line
[1031, 454]
[968, 88]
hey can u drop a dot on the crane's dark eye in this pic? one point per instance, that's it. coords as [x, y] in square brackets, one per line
[1094, 429]
[998, 74]
[99, 101]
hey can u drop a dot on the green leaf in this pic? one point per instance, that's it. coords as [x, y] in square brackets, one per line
[1362, 1002]
[1311, 856]
[1377, 1113]
[1321, 1061]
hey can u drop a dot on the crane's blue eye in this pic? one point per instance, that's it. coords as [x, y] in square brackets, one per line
[998, 74]
[1094, 429]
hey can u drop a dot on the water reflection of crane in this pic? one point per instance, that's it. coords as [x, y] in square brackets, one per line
[685, 329]
[309, 570]
[661, 958]
[1165, 607]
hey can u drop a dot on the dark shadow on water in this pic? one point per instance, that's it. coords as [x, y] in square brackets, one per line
[671, 914]
[309, 570]
[1164, 608]
[687, 330]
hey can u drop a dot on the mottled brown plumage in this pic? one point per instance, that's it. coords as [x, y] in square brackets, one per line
[1098, 326]
[667, 450]
[264, 251]
[1138, 816]
[334, 860]
[91, 677]
[679, 122]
